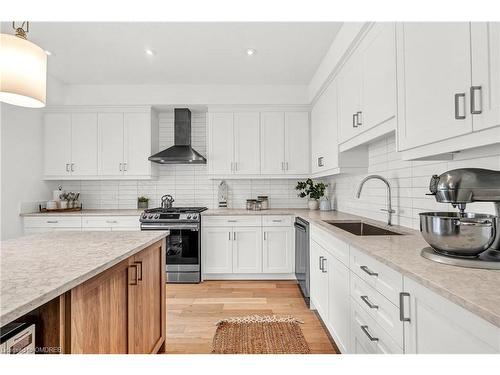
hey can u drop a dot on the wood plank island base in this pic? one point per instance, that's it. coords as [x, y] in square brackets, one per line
[119, 309]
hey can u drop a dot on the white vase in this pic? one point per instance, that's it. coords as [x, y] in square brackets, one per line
[313, 204]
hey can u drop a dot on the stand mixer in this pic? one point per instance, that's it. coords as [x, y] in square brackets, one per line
[474, 239]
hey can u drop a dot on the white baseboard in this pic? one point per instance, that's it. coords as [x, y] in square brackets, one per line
[249, 276]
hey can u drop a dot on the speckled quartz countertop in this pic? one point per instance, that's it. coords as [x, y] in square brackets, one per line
[474, 289]
[130, 212]
[40, 267]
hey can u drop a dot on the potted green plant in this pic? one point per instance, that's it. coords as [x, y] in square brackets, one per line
[314, 191]
[142, 202]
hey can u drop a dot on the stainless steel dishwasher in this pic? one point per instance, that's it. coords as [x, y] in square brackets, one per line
[302, 256]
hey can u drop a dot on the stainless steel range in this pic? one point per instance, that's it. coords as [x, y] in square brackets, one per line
[183, 244]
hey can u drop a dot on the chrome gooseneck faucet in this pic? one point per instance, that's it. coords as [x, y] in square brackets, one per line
[389, 209]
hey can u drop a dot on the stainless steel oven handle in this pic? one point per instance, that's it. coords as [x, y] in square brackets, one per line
[193, 227]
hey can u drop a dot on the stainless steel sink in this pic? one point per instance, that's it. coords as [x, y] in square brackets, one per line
[360, 228]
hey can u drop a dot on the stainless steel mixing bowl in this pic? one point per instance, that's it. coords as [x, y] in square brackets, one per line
[456, 234]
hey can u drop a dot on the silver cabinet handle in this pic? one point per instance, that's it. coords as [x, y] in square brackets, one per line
[365, 330]
[67, 167]
[52, 221]
[473, 109]
[264, 235]
[325, 261]
[229, 235]
[232, 221]
[354, 121]
[72, 167]
[276, 221]
[402, 317]
[321, 263]
[359, 118]
[234, 236]
[282, 165]
[369, 304]
[124, 166]
[459, 96]
[120, 167]
[320, 161]
[111, 221]
[368, 271]
[286, 165]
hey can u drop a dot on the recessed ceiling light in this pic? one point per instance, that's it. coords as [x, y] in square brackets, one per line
[251, 51]
[48, 53]
[150, 52]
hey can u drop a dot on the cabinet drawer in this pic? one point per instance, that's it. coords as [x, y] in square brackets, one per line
[379, 276]
[53, 222]
[368, 336]
[380, 309]
[110, 222]
[277, 220]
[339, 249]
[232, 221]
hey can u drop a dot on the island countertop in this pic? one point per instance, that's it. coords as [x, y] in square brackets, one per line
[37, 268]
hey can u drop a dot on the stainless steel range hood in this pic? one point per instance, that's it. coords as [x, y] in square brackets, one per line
[181, 152]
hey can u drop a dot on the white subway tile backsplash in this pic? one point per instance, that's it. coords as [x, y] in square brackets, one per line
[409, 180]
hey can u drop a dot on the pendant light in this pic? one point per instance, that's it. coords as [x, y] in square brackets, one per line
[23, 70]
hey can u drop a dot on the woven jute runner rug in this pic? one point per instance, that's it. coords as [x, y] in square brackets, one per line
[258, 334]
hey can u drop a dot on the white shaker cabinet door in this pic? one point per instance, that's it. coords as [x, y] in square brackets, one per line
[247, 249]
[434, 77]
[297, 143]
[57, 144]
[111, 139]
[437, 326]
[278, 250]
[272, 142]
[216, 249]
[220, 143]
[349, 98]
[137, 144]
[378, 54]
[485, 90]
[84, 136]
[339, 318]
[319, 279]
[246, 143]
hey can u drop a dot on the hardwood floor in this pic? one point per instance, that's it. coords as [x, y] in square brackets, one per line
[193, 310]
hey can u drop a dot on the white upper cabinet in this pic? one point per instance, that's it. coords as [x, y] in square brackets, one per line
[485, 89]
[378, 69]
[297, 154]
[367, 85]
[448, 87]
[324, 124]
[246, 143]
[97, 143]
[435, 60]
[111, 137]
[84, 144]
[221, 145]
[57, 141]
[272, 144]
[136, 144]
[70, 145]
[252, 143]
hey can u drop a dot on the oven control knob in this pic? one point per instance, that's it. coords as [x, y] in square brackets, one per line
[189, 216]
[195, 217]
[157, 216]
[150, 216]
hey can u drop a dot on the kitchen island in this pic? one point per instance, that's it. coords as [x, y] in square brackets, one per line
[87, 292]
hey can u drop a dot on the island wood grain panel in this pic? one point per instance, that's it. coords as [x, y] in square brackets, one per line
[193, 310]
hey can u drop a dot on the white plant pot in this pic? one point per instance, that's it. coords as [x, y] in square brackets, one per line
[313, 204]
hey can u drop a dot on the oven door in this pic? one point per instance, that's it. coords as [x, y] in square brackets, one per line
[183, 245]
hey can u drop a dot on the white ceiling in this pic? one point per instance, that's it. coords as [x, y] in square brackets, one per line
[186, 53]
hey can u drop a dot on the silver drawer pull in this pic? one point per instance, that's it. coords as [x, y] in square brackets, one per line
[369, 304]
[365, 330]
[323, 268]
[52, 221]
[321, 263]
[368, 271]
[232, 221]
[474, 108]
[111, 221]
[459, 97]
[402, 317]
[276, 221]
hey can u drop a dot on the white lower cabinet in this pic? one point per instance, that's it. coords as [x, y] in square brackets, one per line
[330, 293]
[242, 247]
[436, 325]
[50, 223]
[278, 249]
